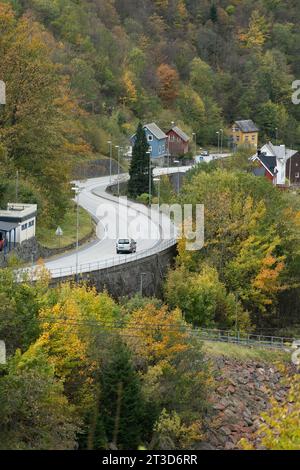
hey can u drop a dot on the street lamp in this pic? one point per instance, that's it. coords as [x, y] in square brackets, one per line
[178, 175]
[276, 132]
[218, 134]
[195, 137]
[118, 150]
[141, 282]
[157, 180]
[77, 192]
[222, 137]
[110, 159]
[150, 177]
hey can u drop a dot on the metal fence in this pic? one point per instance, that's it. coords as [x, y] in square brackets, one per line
[245, 339]
[70, 271]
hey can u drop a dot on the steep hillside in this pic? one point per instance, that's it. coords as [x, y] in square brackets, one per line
[200, 63]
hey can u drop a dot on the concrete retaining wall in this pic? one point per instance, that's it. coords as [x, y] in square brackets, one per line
[128, 279]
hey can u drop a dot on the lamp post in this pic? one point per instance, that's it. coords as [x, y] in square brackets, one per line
[110, 159]
[169, 138]
[222, 137]
[276, 134]
[178, 175]
[17, 185]
[77, 192]
[157, 180]
[218, 134]
[195, 137]
[141, 283]
[118, 150]
[150, 177]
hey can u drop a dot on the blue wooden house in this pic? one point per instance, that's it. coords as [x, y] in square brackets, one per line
[157, 140]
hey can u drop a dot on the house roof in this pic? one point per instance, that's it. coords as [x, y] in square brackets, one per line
[156, 131]
[277, 151]
[180, 133]
[247, 126]
[18, 212]
[280, 151]
[269, 163]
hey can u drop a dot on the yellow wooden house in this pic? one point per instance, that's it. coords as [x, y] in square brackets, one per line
[244, 133]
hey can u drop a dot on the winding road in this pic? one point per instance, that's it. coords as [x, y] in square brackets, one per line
[153, 231]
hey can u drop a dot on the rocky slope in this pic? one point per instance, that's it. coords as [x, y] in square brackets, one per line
[242, 392]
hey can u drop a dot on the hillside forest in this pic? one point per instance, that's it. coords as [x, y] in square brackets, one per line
[80, 73]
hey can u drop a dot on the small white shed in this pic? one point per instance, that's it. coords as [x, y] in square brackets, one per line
[17, 224]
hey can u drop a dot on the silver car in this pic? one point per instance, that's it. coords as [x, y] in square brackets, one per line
[126, 245]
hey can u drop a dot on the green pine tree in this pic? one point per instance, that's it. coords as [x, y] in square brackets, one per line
[121, 404]
[213, 13]
[139, 169]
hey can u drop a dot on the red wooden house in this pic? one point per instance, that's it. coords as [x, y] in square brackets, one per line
[178, 142]
[278, 164]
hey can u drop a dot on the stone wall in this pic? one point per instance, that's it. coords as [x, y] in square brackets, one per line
[241, 393]
[125, 280]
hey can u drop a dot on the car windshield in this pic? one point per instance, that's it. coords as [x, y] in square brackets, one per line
[123, 241]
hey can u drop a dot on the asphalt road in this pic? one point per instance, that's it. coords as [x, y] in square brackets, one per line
[114, 220]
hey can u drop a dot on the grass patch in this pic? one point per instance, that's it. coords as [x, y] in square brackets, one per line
[46, 236]
[245, 353]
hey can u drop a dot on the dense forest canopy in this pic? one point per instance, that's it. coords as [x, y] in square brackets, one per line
[200, 63]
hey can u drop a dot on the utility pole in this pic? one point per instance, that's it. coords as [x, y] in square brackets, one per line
[222, 136]
[178, 175]
[77, 191]
[141, 283]
[118, 150]
[110, 159]
[150, 178]
[195, 137]
[157, 180]
[17, 185]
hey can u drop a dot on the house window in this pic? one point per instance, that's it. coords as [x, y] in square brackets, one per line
[150, 148]
[159, 149]
[24, 227]
[150, 138]
[253, 138]
[31, 223]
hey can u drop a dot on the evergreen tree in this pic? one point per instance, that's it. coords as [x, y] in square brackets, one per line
[213, 13]
[121, 404]
[139, 169]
